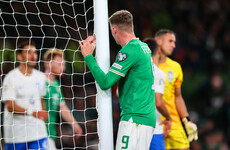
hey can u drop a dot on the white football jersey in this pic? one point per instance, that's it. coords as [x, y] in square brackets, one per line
[159, 86]
[27, 92]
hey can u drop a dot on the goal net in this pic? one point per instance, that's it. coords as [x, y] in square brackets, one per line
[60, 24]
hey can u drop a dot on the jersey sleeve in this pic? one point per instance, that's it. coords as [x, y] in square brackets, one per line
[179, 78]
[8, 89]
[123, 62]
[159, 81]
[105, 81]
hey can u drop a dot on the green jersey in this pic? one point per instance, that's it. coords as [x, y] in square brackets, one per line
[53, 99]
[133, 69]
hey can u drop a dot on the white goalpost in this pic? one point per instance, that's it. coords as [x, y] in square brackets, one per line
[61, 24]
[104, 102]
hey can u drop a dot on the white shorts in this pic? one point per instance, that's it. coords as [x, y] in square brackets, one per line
[132, 136]
[52, 145]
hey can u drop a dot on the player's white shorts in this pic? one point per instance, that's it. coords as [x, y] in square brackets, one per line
[52, 145]
[132, 136]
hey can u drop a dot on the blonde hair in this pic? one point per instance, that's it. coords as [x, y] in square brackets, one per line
[51, 53]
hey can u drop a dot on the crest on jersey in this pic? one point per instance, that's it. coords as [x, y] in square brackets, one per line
[121, 56]
[170, 76]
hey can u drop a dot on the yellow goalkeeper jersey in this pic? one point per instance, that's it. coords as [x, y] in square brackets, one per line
[174, 78]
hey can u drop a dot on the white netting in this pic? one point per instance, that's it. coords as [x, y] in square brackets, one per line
[59, 24]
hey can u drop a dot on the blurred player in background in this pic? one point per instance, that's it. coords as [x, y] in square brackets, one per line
[172, 97]
[23, 91]
[133, 69]
[55, 67]
[157, 142]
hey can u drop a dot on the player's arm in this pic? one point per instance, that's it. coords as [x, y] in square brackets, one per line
[14, 108]
[180, 104]
[43, 115]
[159, 85]
[67, 116]
[43, 104]
[161, 107]
[9, 96]
[18, 110]
[105, 81]
[190, 127]
[179, 101]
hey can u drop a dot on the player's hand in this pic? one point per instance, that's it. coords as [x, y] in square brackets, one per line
[91, 39]
[191, 129]
[41, 115]
[78, 130]
[88, 45]
[167, 124]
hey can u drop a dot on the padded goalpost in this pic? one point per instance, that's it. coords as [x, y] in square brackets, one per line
[61, 24]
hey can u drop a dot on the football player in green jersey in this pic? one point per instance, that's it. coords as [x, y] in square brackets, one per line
[55, 66]
[133, 71]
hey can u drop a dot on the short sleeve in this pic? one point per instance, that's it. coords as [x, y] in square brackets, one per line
[124, 61]
[44, 85]
[159, 80]
[8, 89]
[43, 93]
[179, 78]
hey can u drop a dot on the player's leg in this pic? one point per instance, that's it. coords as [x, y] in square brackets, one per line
[177, 140]
[15, 146]
[157, 142]
[41, 144]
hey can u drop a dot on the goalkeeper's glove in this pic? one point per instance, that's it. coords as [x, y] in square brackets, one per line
[191, 129]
